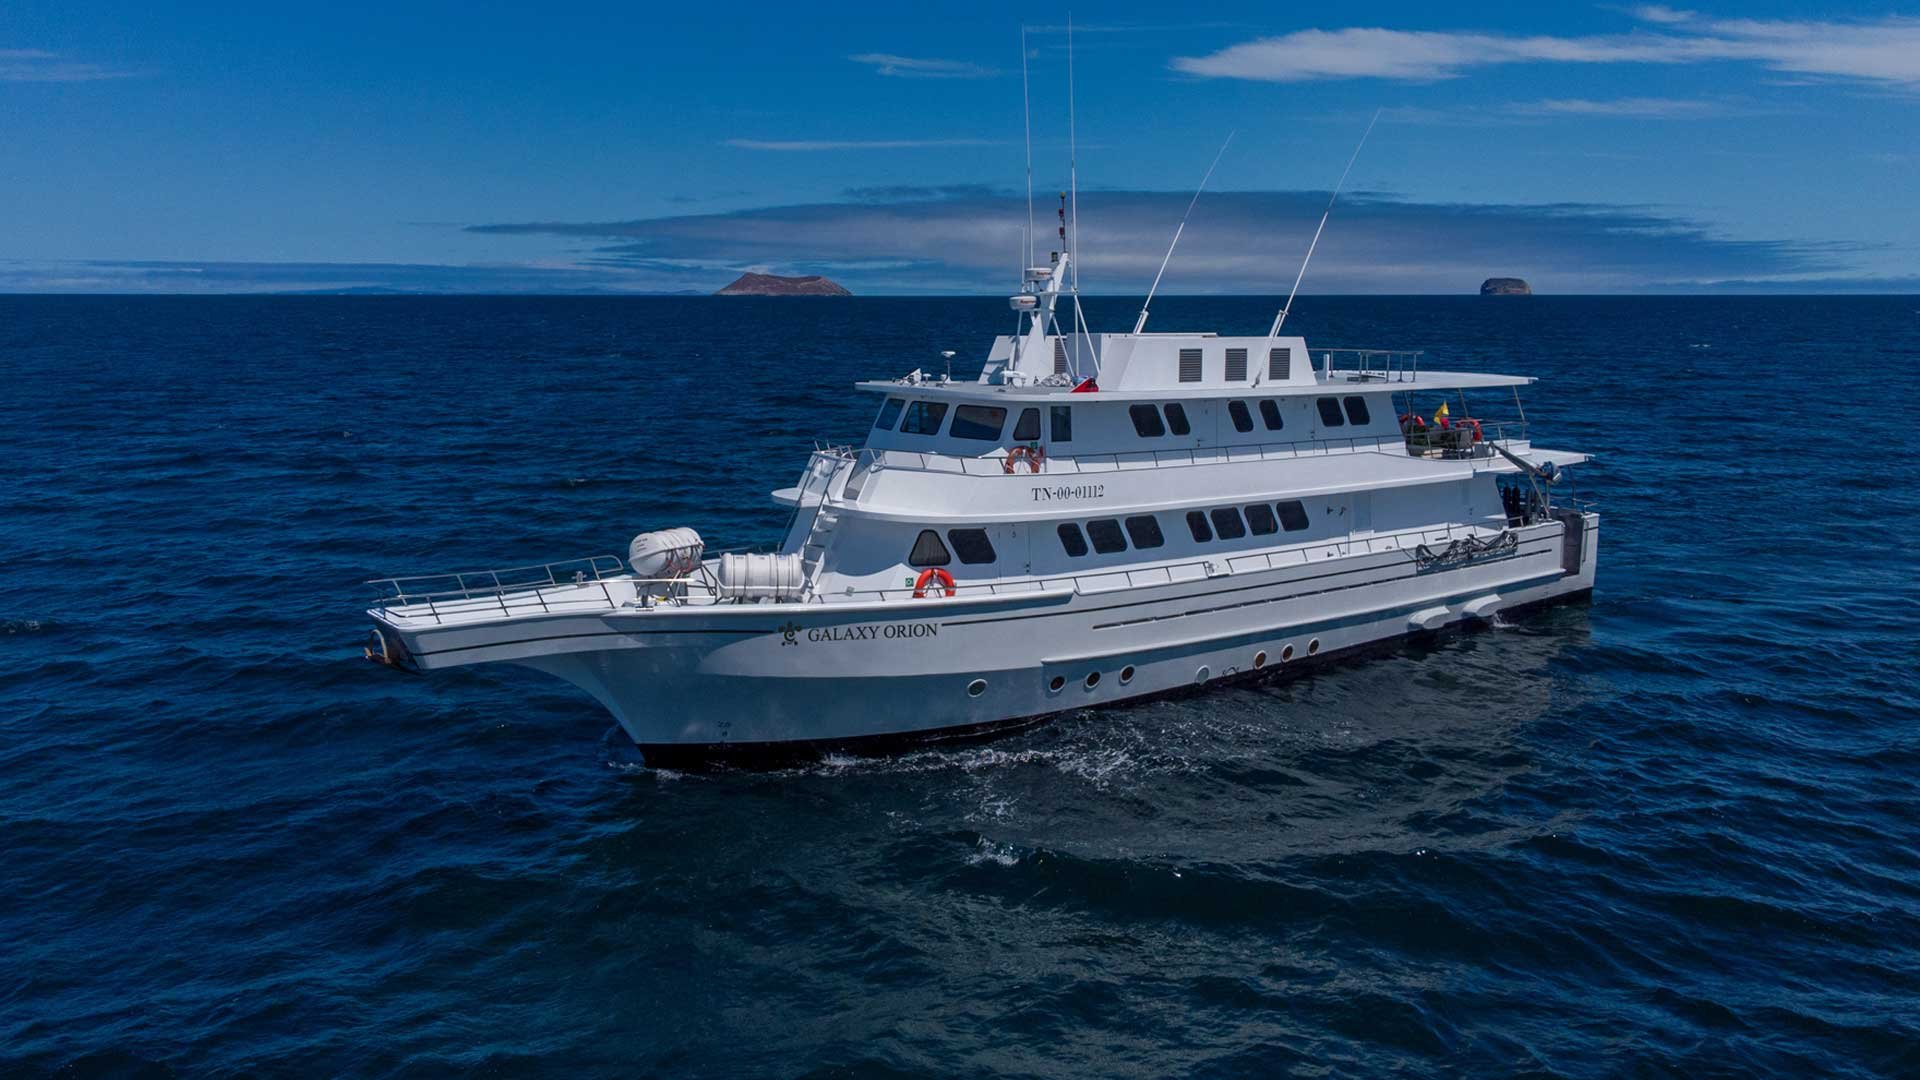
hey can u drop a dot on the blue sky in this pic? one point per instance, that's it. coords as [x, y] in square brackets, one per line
[474, 147]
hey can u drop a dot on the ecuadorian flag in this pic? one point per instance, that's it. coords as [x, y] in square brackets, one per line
[1440, 417]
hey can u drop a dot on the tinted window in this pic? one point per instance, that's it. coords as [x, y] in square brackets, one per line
[889, 414]
[1357, 409]
[1226, 522]
[1028, 429]
[1330, 412]
[978, 422]
[928, 550]
[1293, 516]
[1105, 534]
[1242, 419]
[1146, 421]
[923, 418]
[1062, 421]
[1070, 539]
[1177, 419]
[1144, 531]
[1270, 414]
[1197, 524]
[1259, 519]
[971, 545]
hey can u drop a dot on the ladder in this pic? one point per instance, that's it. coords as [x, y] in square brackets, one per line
[813, 551]
[821, 469]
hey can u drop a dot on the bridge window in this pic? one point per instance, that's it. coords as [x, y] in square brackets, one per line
[1236, 365]
[1144, 531]
[1061, 420]
[1189, 365]
[1293, 516]
[1105, 534]
[923, 418]
[1197, 524]
[982, 422]
[971, 545]
[889, 414]
[1357, 410]
[1259, 519]
[1330, 412]
[1146, 421]
[928, 550]
[1226, 522]
[1177, 419]
[1028, 427]
[1270, 415]
[1242, 419]
[1070, 539]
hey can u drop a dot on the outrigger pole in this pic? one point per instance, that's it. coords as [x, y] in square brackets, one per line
[1141, 324]
[1281, 319]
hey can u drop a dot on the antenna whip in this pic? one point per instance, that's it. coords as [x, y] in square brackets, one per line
[1026, 109]
[1142, 323]
[1280, 319]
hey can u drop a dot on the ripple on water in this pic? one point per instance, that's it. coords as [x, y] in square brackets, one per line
[1670, 833]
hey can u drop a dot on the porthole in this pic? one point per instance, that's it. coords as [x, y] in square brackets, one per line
[1093, 679]
[1058, 682]
[976, 687]
[1259, 660]
[1126, 674]
[1313, 646]
[1286, 654]
[1203, 674]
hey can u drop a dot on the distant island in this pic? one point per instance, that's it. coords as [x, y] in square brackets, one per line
[775, 285]
[1505, 286]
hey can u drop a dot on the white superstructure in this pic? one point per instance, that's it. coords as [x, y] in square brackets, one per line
[1119, 515]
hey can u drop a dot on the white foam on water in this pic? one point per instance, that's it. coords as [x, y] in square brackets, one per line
[988, 851]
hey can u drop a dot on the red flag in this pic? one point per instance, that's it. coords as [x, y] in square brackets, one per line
[1088, 387]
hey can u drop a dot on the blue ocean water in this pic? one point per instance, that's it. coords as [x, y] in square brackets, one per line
[1673, 832]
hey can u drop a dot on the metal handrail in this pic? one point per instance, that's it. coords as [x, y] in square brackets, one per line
[995, 464]
[1368, 365]
[581, 570]
[528, 599]
[1220, 565]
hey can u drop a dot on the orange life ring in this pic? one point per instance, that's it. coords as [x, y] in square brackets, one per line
[1032, 455]
[938, 578]
[1412, 422]
[1470, 422]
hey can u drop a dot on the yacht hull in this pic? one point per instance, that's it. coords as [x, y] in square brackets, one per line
[779, 680]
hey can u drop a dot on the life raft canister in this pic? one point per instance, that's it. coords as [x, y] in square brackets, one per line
[1031, 454]
[937, 578]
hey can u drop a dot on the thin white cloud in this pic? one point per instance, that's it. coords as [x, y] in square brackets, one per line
[804, 145]
[1661, 13]
[1643, 108]
[918, 68]
[1885, 51]
[40, 66]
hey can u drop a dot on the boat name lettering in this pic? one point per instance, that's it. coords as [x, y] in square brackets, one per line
[1064, 492]
[874, 633]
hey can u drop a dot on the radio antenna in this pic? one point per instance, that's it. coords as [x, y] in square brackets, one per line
[1281, 319]
[1026, 108]
[1073, 185]
[1142, 323]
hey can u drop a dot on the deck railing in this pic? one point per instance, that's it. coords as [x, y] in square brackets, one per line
[1369, 365]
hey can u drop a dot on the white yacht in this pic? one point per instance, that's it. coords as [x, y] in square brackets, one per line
[1096, 518]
